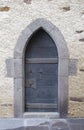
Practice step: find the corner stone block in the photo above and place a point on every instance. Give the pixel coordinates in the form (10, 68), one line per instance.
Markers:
(10, 67)
(18, 69)
(73, 67)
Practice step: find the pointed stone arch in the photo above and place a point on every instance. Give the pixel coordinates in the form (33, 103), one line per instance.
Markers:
(19, 54)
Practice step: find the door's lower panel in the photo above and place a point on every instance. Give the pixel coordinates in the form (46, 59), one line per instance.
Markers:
(41, 107)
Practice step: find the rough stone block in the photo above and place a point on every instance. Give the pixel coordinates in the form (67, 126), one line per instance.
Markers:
(73, 67)
(18, 68)
(10, 67)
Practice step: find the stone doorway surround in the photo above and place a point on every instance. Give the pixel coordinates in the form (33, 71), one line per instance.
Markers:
(19, 77)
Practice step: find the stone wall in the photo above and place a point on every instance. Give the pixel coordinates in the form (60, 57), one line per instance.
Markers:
(68, 16)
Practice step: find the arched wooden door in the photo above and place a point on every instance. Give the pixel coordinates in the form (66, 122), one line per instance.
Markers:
(41, 74)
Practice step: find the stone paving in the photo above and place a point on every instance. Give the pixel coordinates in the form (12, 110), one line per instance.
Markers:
(41, 124)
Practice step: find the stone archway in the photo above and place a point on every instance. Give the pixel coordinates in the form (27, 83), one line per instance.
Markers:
(63, 56)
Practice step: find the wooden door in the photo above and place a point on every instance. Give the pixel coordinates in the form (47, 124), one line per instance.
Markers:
(41, 74)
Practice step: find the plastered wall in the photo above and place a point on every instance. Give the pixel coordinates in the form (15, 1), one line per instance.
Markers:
(68, 16)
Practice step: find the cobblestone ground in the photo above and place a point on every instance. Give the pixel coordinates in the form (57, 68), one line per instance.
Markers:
(42, 124)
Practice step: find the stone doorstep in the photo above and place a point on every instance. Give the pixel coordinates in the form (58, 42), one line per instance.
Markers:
(41, 124)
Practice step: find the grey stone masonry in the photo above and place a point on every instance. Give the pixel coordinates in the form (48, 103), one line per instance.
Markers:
(41, 124)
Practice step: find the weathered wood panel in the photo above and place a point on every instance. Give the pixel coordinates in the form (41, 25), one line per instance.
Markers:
(41, 73)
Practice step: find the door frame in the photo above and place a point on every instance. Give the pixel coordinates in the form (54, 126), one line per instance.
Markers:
(19, 67)
(43, 70)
